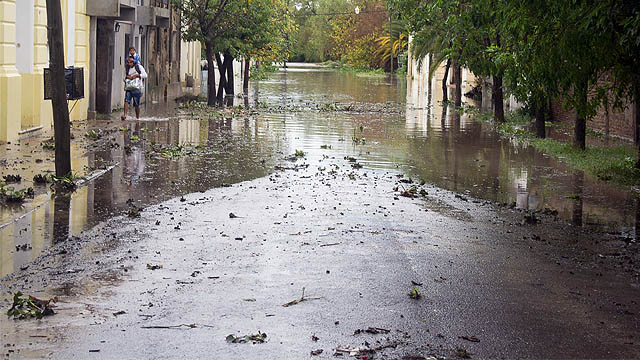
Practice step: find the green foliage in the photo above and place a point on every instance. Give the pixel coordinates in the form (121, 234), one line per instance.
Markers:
(65, 184)
(93, 135)
(583, 52)
(251, 29)
(614, 163)
(173, 151)
(330, 30)
(400, 44)
(262, 72)
(27, 306)
(415, 294)
(11, 195)
(42, 178)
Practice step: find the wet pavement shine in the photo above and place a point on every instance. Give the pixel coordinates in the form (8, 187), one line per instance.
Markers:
(186, 274)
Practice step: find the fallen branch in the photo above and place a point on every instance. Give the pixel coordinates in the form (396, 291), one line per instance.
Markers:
(190, 326)
(302, 298)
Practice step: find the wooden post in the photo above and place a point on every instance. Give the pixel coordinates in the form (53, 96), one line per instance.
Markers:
(59, 94)
(245, 80)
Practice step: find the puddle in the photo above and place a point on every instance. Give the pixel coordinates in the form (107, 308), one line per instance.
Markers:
(396, 126)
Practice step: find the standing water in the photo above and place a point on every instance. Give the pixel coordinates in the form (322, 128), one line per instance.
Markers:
(382, 120)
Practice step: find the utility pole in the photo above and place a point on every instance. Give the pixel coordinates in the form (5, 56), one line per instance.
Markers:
(61, 125)
(391, 40)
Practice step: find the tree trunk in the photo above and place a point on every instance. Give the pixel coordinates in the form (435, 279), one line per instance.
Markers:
(498, 99)
(445, 96)
(61, 125)
(245, 80)
(211, 75)
(637, 120)
(223, 82)
(229, 86)
(540, 120)
(457, 71)
(579, 138)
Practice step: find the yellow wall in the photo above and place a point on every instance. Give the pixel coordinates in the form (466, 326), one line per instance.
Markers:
(21, 95)
(9, 77)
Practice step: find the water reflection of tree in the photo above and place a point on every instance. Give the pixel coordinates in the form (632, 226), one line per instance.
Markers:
(578, 189)
(61, 216)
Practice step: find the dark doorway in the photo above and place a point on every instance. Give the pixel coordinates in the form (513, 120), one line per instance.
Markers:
(104, 65)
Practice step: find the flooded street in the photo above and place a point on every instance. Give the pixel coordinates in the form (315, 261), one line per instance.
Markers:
(400, 127)
(335, 194)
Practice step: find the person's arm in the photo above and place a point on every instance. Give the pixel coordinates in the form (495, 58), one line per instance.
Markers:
(143, 72)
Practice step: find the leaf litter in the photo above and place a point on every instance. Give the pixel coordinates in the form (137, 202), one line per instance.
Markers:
(27, 306)
(257, 338)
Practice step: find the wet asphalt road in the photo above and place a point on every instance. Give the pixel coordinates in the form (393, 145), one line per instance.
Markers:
(491, 287)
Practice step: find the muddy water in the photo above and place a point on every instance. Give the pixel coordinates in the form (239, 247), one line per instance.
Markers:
(454, 152)
(383, 121)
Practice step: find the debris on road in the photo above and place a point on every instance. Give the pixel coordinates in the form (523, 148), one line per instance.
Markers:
(257, 338)
(469, 338)
(372, 330)
(302, 298)
(415, 294)
(27, 306)
(188, 326)
(463, 354)
(364, 352)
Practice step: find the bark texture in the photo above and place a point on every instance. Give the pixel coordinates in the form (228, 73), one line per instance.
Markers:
(59, 94)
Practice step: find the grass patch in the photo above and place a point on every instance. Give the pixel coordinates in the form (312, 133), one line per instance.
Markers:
(615, 164)
(359, 70)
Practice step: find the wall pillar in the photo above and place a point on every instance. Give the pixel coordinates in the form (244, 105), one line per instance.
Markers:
(93, 36)
(43, 112)
(10, 80)
(25, 14)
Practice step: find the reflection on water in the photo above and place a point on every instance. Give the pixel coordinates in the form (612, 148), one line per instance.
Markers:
(402, 122)
(230, 151)
(452, 151)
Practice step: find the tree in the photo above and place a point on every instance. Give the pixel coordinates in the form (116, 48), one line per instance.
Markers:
(558, 54)
(264, 34)
(443, 20)
(618, 21)
(400, 43)
(199, 22)
(62, 131)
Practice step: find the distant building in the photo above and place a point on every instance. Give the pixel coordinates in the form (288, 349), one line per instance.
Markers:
(97, 35)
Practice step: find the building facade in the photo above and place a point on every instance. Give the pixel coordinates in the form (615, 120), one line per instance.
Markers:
(24, 55)
(153, 28)
(97, 35)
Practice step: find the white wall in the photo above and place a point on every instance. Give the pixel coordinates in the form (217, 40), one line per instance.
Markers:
(24, 36)
(71, 33)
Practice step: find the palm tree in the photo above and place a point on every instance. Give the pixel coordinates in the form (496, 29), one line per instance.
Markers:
(426, 43)
(400, 44)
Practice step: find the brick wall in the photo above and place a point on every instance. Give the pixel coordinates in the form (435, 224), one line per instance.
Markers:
(621, 122)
